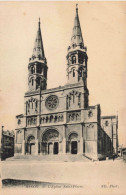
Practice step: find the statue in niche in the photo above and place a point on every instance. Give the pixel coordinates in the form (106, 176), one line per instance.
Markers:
(46, 119)
(19, 121)
(90, 126)
(55, 118)
(69, 117)
(51, 118)
(61, 117)
(73, 116)
(19, 131)
(90, 113)
(106, 123)
(77, 115)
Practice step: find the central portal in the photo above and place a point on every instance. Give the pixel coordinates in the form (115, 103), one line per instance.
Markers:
(50, 142)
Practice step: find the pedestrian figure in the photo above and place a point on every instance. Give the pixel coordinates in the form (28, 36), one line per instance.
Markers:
(113, 157)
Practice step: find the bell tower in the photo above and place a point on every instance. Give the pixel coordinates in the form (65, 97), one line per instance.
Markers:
(76, 56)
(37, 68)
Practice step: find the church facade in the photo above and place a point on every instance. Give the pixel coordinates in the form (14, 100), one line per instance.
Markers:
(59, 120)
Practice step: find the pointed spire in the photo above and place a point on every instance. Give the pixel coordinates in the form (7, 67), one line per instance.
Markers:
(77, 38)
(38, 50)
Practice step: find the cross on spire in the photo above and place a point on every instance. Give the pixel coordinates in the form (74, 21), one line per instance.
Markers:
(76, 7)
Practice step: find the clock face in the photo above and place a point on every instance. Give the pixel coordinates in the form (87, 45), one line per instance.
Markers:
(52, 102)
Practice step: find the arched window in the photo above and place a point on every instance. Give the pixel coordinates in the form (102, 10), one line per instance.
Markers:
(38, 81)
(32, 82)
(73, 72)
(31, 70)
(73, 60)
(80, 72)
(36, 104)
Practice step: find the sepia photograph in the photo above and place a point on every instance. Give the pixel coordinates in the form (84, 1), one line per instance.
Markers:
(63, 97)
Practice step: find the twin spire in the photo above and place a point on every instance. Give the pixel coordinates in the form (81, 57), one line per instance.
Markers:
(38, 50)
(76, 39)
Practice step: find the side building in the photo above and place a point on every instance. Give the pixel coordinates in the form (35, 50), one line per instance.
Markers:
(7, 144)
(110, 125)
(60, 120)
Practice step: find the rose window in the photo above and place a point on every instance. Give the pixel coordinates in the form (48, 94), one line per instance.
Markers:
(52, 102)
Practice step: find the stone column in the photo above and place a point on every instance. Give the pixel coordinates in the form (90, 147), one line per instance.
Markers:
(23, 147)
(64, 145)
(70, 147)
(82, 100)
(41, 149)
(36, 147)
(35, 67)
(65, 117)
(82, 116)
(38, 120)
(81, 141)
(81, 146)
(64, 139)
(60, 148)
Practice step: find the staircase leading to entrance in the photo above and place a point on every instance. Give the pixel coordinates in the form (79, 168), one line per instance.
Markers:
(51, 158)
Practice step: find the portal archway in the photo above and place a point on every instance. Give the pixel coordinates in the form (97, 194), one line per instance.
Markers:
(51, 142)
(31, 145)
(73, 143)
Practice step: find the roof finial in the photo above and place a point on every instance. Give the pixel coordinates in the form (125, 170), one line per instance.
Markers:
(39, 22)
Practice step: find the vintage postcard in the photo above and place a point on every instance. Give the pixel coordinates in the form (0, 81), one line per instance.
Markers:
(62, 97)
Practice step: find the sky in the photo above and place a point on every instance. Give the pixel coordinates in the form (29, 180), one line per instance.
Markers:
(103, 26)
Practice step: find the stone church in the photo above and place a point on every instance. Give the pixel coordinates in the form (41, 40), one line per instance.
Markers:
(59, 120)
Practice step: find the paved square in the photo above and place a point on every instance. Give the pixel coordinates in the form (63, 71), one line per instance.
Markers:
(83, 177)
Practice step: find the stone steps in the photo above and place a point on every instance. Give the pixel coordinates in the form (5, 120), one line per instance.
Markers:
(61, 157)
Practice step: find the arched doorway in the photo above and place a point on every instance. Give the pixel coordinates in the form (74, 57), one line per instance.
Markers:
(31, 145)
(50, 142)
(73, 143)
